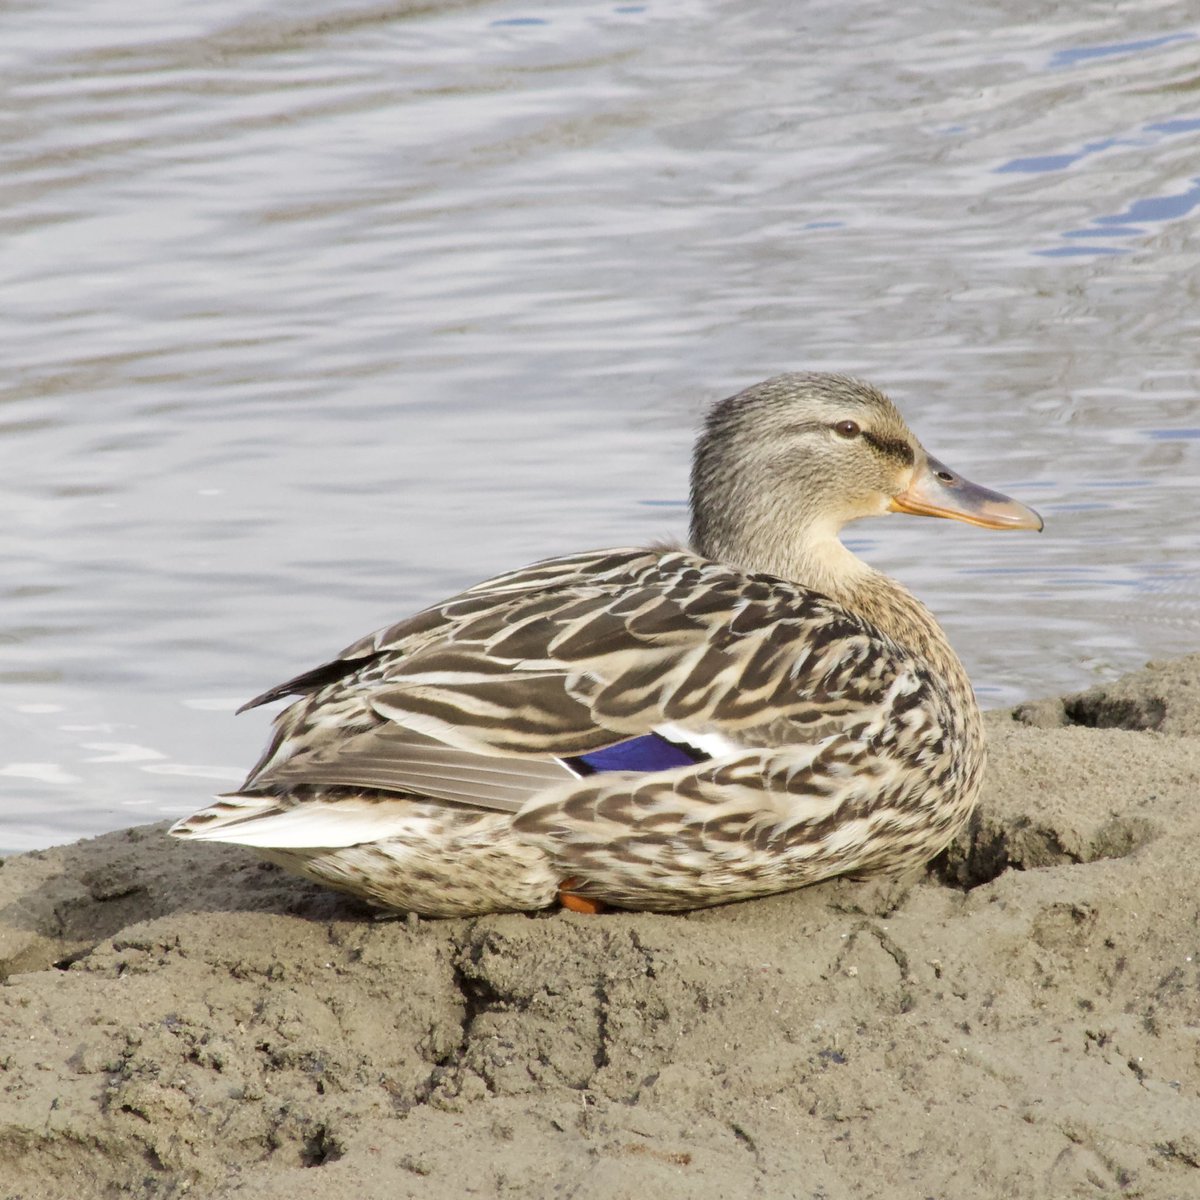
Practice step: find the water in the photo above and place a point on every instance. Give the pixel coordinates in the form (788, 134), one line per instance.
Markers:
(314, 313)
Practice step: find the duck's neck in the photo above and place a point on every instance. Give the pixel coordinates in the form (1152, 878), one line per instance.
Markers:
(894, 610)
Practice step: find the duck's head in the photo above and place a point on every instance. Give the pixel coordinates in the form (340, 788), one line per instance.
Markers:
(782, 466)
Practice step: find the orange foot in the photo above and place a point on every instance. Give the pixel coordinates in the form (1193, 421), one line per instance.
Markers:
(576, 903)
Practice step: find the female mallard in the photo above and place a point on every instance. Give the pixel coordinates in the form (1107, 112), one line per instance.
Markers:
(657, 728)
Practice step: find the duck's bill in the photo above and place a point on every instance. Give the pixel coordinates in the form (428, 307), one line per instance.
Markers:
(936, 491)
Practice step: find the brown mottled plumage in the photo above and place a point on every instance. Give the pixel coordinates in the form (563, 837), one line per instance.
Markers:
(820, 722)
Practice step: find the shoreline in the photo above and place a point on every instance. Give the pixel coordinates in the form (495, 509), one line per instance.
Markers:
(1023, 1019)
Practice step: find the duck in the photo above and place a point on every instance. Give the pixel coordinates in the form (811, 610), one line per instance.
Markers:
(657, 728)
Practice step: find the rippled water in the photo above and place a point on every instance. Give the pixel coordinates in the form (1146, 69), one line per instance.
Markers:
(315, 312)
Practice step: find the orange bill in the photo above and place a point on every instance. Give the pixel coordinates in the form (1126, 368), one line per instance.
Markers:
(936, 491)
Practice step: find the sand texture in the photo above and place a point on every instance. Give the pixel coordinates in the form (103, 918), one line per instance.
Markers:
(1023, 1020)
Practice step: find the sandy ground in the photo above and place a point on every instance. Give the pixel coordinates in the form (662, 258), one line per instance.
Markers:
(1024, 1020)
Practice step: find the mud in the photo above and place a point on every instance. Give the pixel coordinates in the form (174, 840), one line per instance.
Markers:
(1022, 1019)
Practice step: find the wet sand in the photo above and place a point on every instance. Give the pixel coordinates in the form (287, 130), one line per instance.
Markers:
(1022, 1020)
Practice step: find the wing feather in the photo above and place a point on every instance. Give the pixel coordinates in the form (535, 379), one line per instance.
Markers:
(573, 655)
(394, 758)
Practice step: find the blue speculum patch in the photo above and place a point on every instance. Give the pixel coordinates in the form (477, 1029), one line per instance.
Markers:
(647, 753)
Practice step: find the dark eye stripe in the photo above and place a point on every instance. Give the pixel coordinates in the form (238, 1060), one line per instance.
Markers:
(895, 448)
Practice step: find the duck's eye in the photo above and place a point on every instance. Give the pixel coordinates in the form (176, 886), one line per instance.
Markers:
(847, 429)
